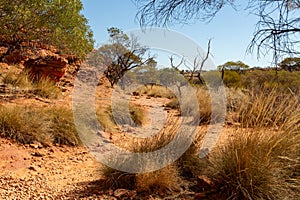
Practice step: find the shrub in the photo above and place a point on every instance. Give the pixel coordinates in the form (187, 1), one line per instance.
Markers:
(232, 79)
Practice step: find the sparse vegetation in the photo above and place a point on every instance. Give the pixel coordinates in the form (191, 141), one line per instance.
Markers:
(46, 88)
(21, 80)
(17, 78)
(155, 91)
(136, 116)
(259, 160)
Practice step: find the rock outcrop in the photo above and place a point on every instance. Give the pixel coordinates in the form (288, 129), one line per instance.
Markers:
(43, 61)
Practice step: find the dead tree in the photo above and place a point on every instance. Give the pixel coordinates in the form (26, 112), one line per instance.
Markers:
(198, 64)
(177, 83)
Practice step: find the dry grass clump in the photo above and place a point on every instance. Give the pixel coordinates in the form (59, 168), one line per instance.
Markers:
(267, 108)
(46, 88)
(162, 180)
(44, 125)
(62, 126)
(257, 165)
(24, 124)
(115, 179)
(155, 91)
(204, 104)
(105, 119)
(43, 87)
(173, 103)
(136, 115)
(17, 78)
(165, 179)
(190, 165)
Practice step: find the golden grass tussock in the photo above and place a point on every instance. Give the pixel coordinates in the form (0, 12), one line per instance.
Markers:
(17, 78)
(46, 88)
(267, 108)
(155, 91)
(257, 164)
(47, 126)
(122, 115)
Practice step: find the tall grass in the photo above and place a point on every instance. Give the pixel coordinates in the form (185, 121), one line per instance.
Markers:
(162, 180)
(46, 88)
(24, 125)
(63, 130)
(250, 166)
(267, 108)
(43, 87)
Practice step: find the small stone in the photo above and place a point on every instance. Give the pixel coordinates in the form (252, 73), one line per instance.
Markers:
(37, 154)
(35, 146)
(32, 168)
(121, 193)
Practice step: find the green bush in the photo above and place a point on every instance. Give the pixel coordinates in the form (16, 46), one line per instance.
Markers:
(232, 79)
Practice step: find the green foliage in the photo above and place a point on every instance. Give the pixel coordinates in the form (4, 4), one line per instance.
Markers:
(290, 64)
(120, 55)
(284, 80)
(171, 77)
(57, 23)
(231, 65)
(146, 74)
(232, 79)
(212, 78)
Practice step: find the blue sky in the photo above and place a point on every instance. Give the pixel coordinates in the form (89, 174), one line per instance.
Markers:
(231, 31)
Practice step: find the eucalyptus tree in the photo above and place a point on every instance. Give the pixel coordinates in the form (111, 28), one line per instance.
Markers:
(45, 23)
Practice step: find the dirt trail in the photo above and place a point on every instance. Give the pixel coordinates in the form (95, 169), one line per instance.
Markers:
(156, 117)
